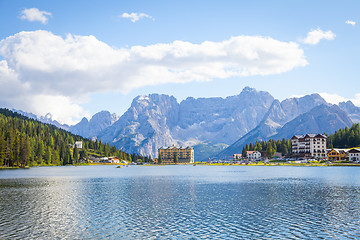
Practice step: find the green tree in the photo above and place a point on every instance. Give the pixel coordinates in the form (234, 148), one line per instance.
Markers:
(270, 151)
(83, 155)
(176, 158)
(75, 154)
(2, 150)
(245, 149)
(48, 155)
(160, 160)
(24, 152)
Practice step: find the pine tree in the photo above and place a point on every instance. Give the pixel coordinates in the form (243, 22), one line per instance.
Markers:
(24, 152)
(48, 155)
(176, 158)
(270, 151)
(75, 154)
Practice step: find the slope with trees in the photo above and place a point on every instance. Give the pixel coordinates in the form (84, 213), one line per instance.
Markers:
(270, 147)
(28, 142)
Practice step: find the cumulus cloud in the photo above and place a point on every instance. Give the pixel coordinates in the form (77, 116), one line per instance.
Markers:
(66, 69)
(19, 94)
(352, 23)
(315, 36)
(136, 16)
(34, 14)
(336, 99)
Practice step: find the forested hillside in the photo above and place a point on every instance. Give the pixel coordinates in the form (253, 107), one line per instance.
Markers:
(27, 142)
(345, 137)
(270, 147)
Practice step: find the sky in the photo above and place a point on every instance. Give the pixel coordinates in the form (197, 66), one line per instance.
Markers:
(75, 58)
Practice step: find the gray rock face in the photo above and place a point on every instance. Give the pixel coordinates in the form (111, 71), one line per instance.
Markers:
(279, 114)
(322, 118)
(159, 120)
(145, 126)
(97, 123)
(218, 120)
(352, 111)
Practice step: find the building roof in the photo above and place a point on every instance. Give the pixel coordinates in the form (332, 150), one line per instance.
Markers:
(354, 150)
(340, 150)
(309, 135)
(173, 147)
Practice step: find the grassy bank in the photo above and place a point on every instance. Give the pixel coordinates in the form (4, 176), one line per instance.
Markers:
(9, 168)
(316, 164)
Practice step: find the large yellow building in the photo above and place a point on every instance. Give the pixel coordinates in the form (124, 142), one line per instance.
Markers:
(170, 154)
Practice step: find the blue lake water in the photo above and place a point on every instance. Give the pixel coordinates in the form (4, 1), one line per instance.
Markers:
(180, 202)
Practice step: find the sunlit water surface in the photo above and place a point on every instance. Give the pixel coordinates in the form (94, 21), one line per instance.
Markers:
(180, 202)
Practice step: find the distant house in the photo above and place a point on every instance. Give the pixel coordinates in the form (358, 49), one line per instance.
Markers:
(78, 144)
(354, 155)
(253, 154)
(113, 160)
(237, 156)
(337, 154)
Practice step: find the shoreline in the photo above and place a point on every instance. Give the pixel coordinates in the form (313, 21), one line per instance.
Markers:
(202, 164)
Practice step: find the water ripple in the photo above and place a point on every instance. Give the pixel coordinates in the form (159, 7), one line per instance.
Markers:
(168, 207)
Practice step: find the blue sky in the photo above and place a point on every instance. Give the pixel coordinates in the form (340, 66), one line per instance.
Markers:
(75, 58)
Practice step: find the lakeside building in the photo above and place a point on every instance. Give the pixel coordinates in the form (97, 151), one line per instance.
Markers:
(253, 154)
(354, 154)
(169, 154)
(277, 155)
(78, 144)
(337, 154)
(309, 145)
(237, 156)
(109, 160)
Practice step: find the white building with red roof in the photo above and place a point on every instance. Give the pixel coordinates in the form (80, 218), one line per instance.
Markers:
(253, 154)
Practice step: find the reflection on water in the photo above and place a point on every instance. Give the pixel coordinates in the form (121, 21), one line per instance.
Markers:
(180, 202)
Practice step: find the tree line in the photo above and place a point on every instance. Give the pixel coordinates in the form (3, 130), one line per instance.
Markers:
(28, 142)
(345, 137)
(270, 147)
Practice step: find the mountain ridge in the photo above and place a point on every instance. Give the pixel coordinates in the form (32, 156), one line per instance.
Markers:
(208, 124)
(320, 119)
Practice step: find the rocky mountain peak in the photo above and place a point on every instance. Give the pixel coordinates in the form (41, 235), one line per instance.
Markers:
(352, 110)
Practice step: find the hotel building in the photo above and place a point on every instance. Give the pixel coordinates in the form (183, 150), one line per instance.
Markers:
(309, 145)
(184, 155)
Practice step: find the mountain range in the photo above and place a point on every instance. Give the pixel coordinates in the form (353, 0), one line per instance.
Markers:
(217, 127)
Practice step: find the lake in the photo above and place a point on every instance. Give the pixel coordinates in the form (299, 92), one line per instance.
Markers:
(180, 202)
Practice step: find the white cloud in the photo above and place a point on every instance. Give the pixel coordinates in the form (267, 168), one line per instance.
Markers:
(332, 98)
(297, 96)
(336, 99)
(20, 95)
(136, 16)
(34, 14)
(315, 36)
(352, 23)
(45, 65)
